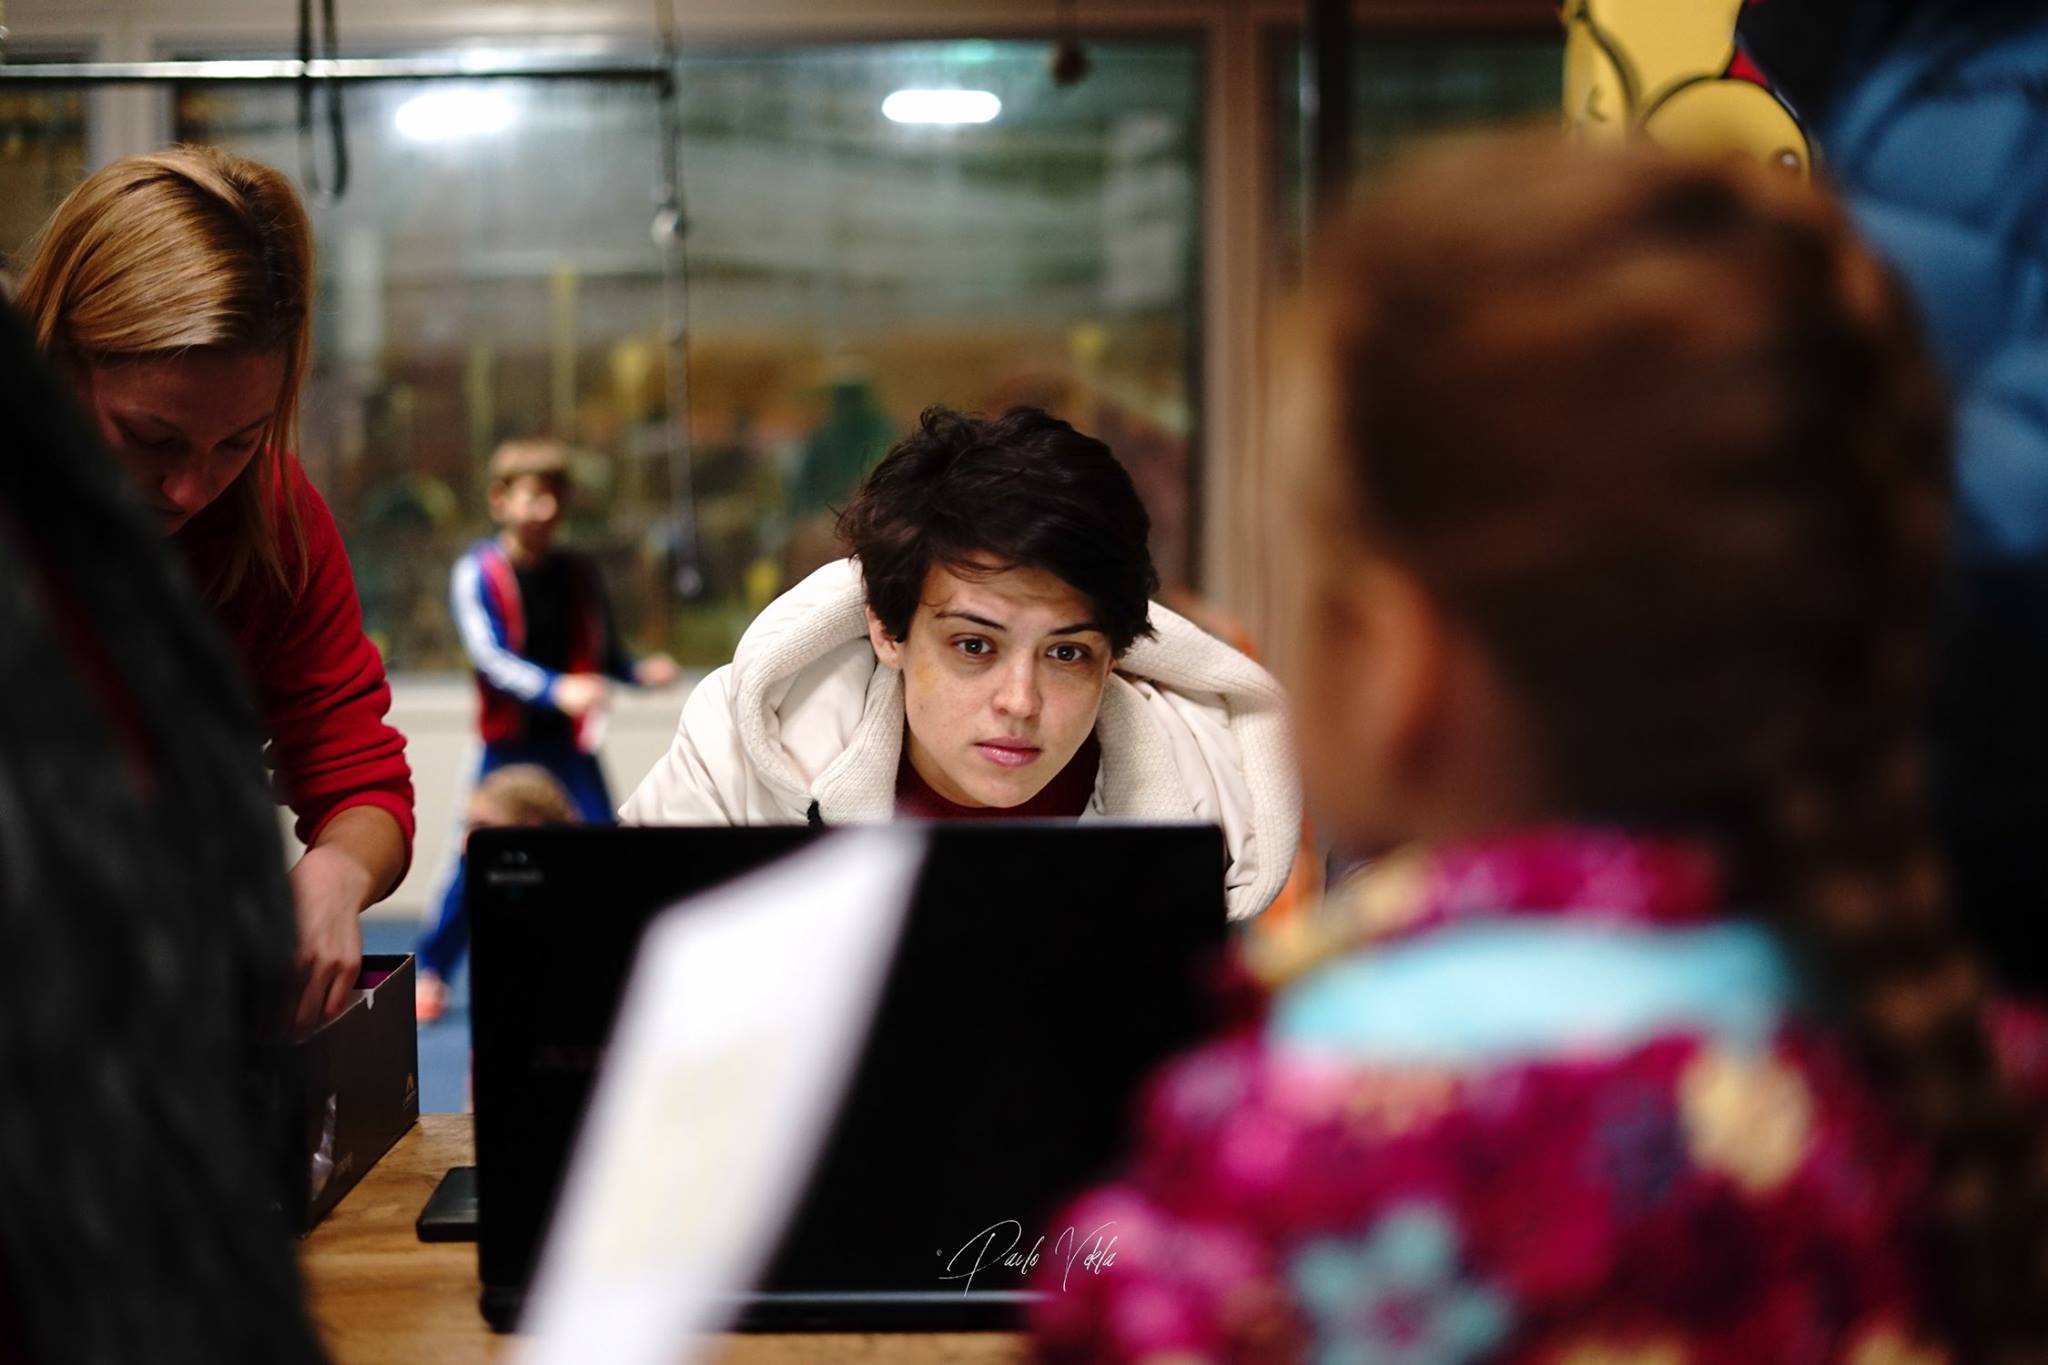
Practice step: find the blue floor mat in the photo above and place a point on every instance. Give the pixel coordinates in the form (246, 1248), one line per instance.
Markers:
(444, 1046)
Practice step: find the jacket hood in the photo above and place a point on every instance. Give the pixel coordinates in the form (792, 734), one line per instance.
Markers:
(1190, 728)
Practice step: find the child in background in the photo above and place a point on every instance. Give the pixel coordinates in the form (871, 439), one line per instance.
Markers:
(522, 795)
(537, 624)
(1610, 527)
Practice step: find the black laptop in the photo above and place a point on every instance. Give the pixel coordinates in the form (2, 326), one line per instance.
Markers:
(1044, 970)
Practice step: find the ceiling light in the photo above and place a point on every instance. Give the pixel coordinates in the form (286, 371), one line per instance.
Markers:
(941, 106)
(441, 115)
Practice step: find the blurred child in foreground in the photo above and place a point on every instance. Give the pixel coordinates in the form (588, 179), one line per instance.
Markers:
(1614, 496)
(146, 930)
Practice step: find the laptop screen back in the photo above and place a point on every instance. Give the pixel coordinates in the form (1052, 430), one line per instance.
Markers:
(1044, 970)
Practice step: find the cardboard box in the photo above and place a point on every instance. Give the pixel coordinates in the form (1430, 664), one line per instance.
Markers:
(335, 1101)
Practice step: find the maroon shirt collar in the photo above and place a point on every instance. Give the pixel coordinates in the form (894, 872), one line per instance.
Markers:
(1066, 797)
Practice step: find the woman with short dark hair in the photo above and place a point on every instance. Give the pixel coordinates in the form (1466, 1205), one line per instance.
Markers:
(989, 650)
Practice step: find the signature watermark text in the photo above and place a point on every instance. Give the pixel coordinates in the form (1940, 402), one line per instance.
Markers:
(999, 1249)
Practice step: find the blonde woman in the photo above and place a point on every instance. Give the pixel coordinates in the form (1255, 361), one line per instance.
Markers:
(174, 290)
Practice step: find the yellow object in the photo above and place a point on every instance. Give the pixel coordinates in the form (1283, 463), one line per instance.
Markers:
(1367, 906)
(1661, 67)
(636, 380)
(762, 582)
(1087, 342)
(1601, 1353)
(1747, 1116)
(1890, 1346)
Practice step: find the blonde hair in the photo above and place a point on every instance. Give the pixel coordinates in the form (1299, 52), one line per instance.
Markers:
(183, 248)
(529, 794)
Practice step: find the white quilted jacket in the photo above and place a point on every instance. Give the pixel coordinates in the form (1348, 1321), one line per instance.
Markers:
(1190, 730)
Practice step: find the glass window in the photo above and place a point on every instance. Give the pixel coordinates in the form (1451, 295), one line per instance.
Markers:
(1410, 85)
(493, 271)
(42, 151)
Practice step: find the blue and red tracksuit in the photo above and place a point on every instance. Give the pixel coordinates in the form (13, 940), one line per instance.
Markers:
(520, 650)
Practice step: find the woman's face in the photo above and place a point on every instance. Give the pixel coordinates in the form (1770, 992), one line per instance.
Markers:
(184, 427)
(1003, 675)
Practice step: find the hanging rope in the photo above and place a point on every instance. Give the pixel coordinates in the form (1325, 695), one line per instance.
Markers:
(1069, 64)
(309, 86)
(671, 228)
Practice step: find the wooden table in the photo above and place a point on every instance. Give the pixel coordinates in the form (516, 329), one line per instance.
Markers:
(383, 1297)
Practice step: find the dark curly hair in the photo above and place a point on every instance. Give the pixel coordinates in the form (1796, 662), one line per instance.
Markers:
(1024, 490)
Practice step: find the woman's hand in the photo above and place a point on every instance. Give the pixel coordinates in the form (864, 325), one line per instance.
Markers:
(329, 891)
(354, 862)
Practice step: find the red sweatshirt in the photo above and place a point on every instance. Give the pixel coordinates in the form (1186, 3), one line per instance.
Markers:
(318, 680)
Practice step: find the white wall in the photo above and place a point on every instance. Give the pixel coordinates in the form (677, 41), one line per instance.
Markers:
(437, 714)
